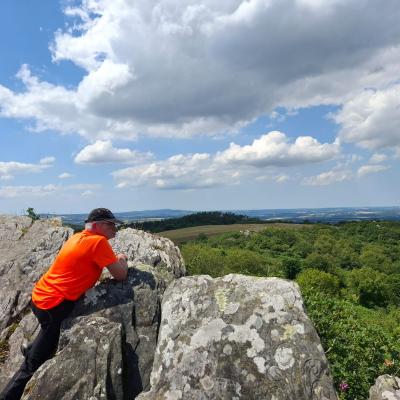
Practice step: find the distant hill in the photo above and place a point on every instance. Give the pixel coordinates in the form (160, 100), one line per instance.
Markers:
(196, 219)
(297, 215)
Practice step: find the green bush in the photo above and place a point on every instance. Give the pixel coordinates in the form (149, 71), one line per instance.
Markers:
(311, 280)
(200, 259)
(357, 345)
(370, 286)
(323, 262)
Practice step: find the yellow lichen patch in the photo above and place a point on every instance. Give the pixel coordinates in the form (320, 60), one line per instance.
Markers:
(220, 297)
(289, 331)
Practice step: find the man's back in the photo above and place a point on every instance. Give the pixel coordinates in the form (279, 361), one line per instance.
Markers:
(77, 268)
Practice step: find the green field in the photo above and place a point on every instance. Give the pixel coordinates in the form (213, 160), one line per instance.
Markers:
(179, 236)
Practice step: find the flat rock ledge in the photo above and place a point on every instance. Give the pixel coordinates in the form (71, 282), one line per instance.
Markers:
(387, 387)
(237, 337)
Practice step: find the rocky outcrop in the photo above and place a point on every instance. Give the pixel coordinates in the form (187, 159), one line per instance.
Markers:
(27, 249)
(107, 346)
(237, 337)
(387, 387)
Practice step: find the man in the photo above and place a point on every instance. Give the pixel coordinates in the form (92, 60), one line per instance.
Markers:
(76, 268)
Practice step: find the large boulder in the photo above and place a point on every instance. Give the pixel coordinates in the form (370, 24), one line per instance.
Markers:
(27, 248)
(237, 337)
(387, 387)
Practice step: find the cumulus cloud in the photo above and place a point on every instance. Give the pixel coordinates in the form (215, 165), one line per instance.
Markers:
(329, 177)
(65, 175)
(378, 158)
(372, 119)
(43, 190)
(255, 161)
(342, 172)
(280, 178)
(169, 68)
(371, 169)
(102, 151)
(274, 148)
(10, 168)
(177, 172)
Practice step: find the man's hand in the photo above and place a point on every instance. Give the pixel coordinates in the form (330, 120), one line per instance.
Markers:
(119, 269)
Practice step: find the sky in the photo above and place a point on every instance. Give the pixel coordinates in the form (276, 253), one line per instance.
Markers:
(198, 105)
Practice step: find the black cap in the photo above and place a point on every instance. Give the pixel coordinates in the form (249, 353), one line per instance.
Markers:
(102, 214)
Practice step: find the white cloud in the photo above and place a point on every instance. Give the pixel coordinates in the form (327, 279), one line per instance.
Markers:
(47, 160)
(65, 175)
(328, 178)
(371, 169)
(43, 190)
(372, 119)
(177, 172)
(275, 149)
(342, 172)
(183, 68)
(10, 168)
(281, 178)
(229, 167)
(378, 158)
(102, 151)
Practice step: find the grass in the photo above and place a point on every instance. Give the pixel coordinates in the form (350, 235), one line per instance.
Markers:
(179, 236)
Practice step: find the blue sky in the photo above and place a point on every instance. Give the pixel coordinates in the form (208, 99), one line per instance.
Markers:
(199, 105)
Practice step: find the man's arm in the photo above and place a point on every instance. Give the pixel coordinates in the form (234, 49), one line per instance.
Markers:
(119, 269)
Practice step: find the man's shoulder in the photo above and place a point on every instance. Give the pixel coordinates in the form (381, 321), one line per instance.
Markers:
(86, 238)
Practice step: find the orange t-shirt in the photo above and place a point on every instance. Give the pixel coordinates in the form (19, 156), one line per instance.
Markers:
(76, 268)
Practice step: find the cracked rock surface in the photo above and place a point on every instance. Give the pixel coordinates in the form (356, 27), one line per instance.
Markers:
(237, 337)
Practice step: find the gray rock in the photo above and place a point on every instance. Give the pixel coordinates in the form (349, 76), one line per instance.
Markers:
(88, 364)
(237, 337)
(387, 387)
(144, 248)
(26, 251)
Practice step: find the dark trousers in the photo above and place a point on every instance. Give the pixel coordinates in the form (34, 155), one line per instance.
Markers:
(41, 349)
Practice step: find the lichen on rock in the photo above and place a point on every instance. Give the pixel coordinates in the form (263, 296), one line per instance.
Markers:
(265, 337)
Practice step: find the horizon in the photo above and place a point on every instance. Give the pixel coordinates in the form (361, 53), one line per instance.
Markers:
(239, 105)
(230, 210)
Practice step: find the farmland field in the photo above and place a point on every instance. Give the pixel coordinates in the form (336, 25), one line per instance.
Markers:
(179, 236)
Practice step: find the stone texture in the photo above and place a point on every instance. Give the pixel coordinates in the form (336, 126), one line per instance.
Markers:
(88, 364)
(26, 251)
(237, 337)
(387, 387)
(147, 249)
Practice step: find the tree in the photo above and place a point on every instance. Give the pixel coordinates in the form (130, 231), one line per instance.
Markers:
(32, 214)
(311, 280)
(371, 287)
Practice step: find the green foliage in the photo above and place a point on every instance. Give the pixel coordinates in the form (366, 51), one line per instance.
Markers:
(373, 256)
(357, 345)
(30, 212)
(371, 287)
(312, 280)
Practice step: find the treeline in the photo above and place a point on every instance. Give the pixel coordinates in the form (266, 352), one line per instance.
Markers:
(196, 219)
(349, 275)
